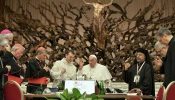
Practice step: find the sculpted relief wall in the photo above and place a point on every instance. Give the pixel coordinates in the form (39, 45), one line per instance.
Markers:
(111, 29)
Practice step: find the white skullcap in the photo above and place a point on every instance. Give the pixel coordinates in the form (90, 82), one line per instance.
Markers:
(93, 56)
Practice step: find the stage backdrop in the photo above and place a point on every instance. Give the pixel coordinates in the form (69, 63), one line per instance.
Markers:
(112, 33)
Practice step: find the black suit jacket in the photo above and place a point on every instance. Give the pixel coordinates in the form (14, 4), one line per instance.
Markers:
(3, 70)
(9, 59)
(169, 63)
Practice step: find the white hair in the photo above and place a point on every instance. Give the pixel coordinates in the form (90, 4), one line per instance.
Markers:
(159, 45)
(3, 41)
(16, 47)
(7, 36)
(93, 56)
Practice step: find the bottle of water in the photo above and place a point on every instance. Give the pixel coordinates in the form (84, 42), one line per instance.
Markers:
(102, 92)
(60, 86)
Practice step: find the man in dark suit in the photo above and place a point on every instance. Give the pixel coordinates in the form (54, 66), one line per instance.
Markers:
(3, 69)
(164, 36)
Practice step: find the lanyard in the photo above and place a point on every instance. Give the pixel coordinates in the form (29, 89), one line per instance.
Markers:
(138, 70)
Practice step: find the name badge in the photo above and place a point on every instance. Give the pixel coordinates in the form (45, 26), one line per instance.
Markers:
(136, 78)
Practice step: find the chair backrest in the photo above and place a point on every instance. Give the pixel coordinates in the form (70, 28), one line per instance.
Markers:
(169, 93)
(160, 93)
(133, 91)
(12, 91)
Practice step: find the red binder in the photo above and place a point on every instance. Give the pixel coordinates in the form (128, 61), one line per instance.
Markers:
(41, 80)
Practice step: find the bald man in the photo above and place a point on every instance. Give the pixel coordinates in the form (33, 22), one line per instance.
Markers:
(94, 70)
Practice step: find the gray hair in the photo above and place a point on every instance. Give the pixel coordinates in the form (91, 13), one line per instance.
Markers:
(159, 45)
(40, 51)
(7, 36)
(3, 41)
(163, 31)
(16, 47)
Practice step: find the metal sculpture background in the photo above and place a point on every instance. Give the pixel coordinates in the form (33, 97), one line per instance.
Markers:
(120, 36)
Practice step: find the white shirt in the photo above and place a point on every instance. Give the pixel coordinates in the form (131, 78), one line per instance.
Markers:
(99, 72)
(56, 71)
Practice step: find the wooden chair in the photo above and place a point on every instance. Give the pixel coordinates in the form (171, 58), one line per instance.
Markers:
(169, 93)
(12, 91)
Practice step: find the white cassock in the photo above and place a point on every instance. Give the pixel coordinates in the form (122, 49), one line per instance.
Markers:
(99, 72)
(56, 71)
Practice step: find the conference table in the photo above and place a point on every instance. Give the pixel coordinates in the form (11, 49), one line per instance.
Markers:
(106, 96)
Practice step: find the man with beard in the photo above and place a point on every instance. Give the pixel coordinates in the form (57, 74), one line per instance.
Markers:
(3, 70)
(140, 75)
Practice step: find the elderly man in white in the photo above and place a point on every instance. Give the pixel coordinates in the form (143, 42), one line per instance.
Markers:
(63, 69)
(94, 70)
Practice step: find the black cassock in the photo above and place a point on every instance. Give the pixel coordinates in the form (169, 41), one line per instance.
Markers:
(9, 59)
(3, 70)
(35, 70)
(162, 68)
(169, 63)
(146, 83)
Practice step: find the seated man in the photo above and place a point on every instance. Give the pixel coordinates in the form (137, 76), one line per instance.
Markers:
(36, 68)
(140, 75)
(94, 70)
(64, 69)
